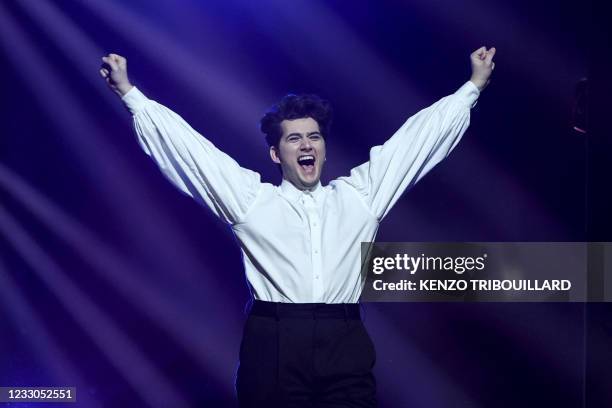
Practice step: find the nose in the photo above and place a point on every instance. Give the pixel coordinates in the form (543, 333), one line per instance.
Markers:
(306, 145)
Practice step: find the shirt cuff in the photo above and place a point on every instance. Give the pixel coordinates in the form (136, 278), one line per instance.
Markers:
(468, 93)
(134, 100)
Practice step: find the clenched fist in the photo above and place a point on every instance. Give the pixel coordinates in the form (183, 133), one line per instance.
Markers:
(482, 66)
(114, 71)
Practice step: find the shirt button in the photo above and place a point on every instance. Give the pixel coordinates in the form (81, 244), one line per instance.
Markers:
(316, 251)
(314, 224)
(317, 277)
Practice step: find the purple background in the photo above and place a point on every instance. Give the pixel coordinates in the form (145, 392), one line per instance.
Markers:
(113, 282)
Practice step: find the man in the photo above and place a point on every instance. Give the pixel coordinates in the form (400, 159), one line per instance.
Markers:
(304, 343)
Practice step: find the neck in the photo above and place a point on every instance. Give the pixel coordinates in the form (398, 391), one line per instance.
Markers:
(302, 187)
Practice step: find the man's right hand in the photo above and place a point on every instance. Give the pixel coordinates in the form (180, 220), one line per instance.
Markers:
(114, 71)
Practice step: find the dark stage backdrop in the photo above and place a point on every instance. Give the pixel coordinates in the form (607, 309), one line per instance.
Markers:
(114, 282)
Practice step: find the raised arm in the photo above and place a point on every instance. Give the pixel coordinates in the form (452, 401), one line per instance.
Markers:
(191, 162)
(422, 142)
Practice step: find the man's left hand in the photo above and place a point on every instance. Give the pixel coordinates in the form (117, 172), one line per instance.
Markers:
(482, 66)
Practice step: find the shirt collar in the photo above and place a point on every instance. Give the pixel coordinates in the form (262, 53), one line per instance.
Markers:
(294, 194)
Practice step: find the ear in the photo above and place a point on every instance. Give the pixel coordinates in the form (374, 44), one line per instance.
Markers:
(274, 154)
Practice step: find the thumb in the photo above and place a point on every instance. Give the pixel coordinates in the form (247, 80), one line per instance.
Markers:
(121, 61)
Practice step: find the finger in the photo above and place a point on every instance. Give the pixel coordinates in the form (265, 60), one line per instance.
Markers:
(479, 51)
(106, 66)
(490, 54)
(121, 61)
(103, 73)
(115, 57)
(111, 63)
(492, 66)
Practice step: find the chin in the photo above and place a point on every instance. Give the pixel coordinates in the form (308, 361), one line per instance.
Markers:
(308, 183)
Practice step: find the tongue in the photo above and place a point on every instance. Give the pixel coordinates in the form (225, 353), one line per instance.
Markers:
(308, 168)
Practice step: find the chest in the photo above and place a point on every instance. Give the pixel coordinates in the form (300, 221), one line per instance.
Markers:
(329, 218)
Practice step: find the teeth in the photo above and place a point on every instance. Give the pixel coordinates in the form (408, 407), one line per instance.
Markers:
(305, 158)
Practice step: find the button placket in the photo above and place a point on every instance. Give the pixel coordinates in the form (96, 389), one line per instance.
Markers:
(315, 240)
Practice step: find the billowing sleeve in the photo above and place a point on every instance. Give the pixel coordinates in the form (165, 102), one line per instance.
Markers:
(422, 142)
(191, 162)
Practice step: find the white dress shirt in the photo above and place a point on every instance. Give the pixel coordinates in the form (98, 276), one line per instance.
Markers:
(301, 246)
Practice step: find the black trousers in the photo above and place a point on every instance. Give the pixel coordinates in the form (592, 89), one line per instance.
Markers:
(305, 355)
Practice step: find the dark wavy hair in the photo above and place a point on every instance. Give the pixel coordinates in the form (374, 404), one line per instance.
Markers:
(296, 107)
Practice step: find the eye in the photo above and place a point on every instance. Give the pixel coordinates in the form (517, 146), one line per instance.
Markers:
(293, 138)
(316, 136)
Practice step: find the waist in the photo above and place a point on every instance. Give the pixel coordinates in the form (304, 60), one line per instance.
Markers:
(306, 310)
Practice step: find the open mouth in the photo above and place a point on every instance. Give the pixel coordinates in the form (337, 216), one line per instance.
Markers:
(307, 162)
